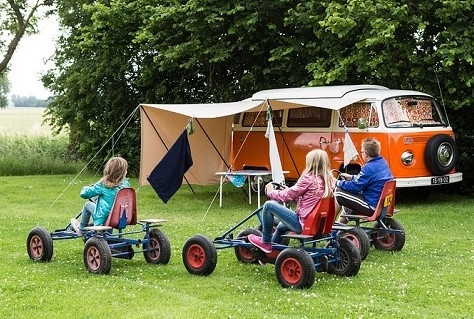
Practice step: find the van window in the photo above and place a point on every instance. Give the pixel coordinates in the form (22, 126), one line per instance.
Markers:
(410, 111)
(309, 117)
(350, 115)
(258, 119)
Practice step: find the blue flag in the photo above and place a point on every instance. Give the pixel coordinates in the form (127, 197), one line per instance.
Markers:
(167, 176)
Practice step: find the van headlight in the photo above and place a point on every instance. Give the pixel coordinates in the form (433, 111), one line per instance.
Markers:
(407, 158)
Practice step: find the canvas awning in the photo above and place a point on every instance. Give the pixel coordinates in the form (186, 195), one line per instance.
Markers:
(211, 143)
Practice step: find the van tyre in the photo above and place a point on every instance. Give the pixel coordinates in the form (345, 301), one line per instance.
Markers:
(441, 154)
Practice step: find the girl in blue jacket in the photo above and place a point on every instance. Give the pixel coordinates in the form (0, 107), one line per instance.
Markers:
(105, 190)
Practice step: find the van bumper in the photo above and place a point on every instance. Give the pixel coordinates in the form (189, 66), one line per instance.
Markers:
(429, 180)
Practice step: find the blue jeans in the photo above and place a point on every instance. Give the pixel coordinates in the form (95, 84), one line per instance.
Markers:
(86, 214)
(289, 221)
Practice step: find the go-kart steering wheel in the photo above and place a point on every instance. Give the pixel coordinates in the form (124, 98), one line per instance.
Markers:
(337, 174)
(278, 186)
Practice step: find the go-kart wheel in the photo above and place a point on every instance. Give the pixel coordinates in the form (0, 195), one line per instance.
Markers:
(359, 238)
(347, 259)
(39, 245)
(245, 254)
(294, 268)
(158, 250)
(199, 255)
(388, 241)
(97, 256)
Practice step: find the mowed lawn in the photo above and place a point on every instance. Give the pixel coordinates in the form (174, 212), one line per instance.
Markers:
(432, 277)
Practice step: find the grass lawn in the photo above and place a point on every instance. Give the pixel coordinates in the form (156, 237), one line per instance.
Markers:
(432, 277)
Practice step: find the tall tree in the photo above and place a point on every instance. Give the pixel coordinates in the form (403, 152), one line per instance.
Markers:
(17, 18)
(118, 53)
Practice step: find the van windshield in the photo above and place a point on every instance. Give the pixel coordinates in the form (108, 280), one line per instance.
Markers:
(412, 111)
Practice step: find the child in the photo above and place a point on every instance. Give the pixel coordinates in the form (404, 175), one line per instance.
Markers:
(316, 182)
(105, 190)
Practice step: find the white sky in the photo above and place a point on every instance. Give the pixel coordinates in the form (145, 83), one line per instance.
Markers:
(29, 60)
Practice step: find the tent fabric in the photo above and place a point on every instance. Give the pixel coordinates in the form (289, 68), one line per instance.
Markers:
(210, 148)
(166, 178)
(211, 143)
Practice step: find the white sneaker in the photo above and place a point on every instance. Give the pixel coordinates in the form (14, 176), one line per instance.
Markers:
(76, 226)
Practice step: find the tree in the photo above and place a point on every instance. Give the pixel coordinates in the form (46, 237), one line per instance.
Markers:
(4, 89)
(17, 18)
(118, 53)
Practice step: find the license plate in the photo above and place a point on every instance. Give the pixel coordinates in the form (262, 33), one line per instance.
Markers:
(440, 180)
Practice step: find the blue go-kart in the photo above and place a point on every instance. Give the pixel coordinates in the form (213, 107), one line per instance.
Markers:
(317, 248)
(113, 239)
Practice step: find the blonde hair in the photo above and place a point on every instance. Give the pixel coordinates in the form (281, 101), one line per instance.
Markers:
(317, 163)
(115, 171)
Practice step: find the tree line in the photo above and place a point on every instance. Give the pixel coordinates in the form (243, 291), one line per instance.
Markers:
(115, 54)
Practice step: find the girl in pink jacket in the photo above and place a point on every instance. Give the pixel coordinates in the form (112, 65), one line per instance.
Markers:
(316, 182)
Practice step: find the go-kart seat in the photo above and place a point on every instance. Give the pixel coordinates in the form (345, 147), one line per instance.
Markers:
(124, 209)
(321, 218)
(385, 205)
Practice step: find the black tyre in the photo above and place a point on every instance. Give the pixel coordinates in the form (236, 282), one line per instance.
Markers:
(359, 238)
(158, 250)
(348, 259)
(441, 154)
(199, 255)
(39, 245)
(97, 256)
(388, 241)
(244, 254)
(294, 268)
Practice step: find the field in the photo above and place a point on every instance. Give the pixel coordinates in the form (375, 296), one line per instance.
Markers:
(430, 278)
(23, 120)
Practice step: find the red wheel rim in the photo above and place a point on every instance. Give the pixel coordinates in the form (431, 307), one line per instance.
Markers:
(291, 271)
(93, 258)
(386, 240)
(353, 239)
(246, 254)
(36, 246)
(196, 256)
(154, 252)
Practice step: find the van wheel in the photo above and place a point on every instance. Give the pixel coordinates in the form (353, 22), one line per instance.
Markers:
(441, 154)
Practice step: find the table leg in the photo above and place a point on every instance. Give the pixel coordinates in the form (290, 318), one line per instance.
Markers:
(259, 179)
(249, 179)
(220, 190)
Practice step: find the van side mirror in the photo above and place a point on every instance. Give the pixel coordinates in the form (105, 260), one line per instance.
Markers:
(362, 123)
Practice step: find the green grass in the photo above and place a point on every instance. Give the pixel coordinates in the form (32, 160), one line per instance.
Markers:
(27, 146)
(430, 278)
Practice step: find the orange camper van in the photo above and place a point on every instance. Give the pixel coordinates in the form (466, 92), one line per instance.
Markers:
(416, 137)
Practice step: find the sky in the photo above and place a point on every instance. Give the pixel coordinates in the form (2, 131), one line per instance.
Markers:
(29, 60)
